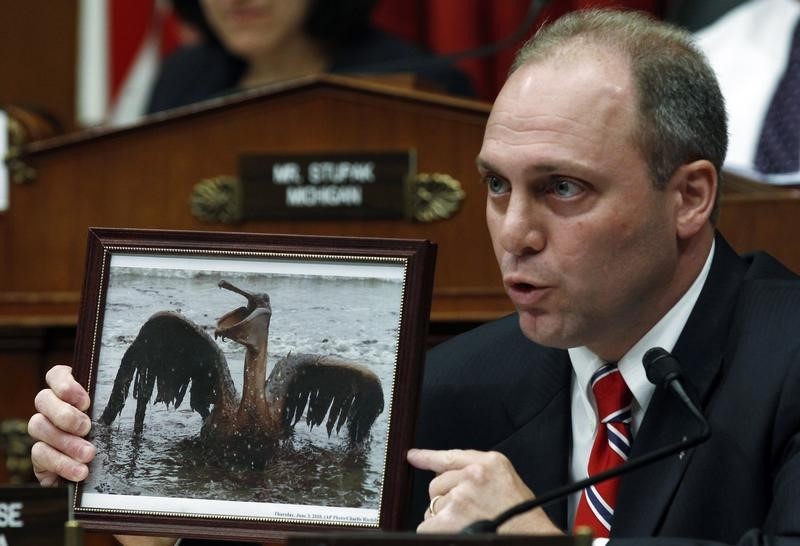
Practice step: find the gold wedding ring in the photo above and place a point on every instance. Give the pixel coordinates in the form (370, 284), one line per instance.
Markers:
(432, 505)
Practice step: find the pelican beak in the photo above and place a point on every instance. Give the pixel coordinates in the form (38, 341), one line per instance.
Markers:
(253, 300)
(240, 324)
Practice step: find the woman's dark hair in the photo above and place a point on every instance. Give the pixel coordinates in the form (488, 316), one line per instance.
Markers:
(332, 22)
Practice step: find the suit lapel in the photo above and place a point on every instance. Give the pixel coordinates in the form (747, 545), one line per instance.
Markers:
(645, 495)
(540, 411)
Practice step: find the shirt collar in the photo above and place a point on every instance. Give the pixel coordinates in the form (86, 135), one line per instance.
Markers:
(664, 334)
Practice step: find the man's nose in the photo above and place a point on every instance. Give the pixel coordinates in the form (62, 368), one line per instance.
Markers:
(522, 229)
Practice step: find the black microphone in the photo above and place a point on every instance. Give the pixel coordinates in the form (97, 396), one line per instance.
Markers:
(663, 370)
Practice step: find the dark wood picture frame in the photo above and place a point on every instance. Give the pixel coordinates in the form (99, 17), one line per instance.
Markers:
(172, 270)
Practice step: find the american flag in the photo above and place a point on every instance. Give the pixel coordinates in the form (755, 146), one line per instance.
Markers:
(120, 46)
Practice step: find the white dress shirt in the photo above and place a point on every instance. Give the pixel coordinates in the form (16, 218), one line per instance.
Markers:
(584, 363)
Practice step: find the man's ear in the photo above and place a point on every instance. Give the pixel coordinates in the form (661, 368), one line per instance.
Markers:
(695, 187)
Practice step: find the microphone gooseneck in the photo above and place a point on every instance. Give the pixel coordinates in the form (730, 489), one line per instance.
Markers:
(663, 370)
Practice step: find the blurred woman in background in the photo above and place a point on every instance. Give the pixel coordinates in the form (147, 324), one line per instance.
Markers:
(248, 43)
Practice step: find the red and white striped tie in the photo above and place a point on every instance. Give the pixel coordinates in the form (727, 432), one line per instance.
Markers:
(612, 444)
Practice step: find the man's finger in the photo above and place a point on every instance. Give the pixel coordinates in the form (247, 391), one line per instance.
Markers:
(74, 447)
(46, 459)
(444, 482)
(444, 460)
(63, 384)
(61, 414)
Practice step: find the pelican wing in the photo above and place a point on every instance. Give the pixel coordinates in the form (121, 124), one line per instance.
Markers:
(170, 353)
(319, 386)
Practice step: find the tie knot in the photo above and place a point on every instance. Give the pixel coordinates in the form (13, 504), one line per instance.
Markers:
(612, 395)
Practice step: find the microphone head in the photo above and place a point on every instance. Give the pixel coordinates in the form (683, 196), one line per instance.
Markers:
(660, 366)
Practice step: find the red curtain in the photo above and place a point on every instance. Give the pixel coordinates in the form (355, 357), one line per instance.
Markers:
(447, 26)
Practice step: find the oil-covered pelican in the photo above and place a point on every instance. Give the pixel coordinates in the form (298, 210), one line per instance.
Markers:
(171, 352)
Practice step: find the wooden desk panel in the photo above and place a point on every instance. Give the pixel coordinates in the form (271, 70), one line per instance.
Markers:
(764, 221)
(143, 177)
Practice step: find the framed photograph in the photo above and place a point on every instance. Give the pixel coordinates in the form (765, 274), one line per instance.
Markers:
(250, 386)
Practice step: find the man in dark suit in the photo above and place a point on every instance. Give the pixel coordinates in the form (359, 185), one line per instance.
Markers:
(739, 354)
(601, 159)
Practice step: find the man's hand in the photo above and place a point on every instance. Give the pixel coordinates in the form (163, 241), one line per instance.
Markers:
(61, 451)
(59, 426)
(476, 485)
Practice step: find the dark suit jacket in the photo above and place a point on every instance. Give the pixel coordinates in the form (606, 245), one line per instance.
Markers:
(493, 389)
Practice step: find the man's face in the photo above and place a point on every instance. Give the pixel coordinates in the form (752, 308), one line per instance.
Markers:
(586, 245)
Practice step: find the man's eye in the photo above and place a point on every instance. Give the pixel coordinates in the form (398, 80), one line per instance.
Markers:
(495, 184)
(566, 188)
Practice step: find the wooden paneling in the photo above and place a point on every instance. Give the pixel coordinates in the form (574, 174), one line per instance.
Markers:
(37, 65)
(766, 221)
(143, 177)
